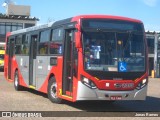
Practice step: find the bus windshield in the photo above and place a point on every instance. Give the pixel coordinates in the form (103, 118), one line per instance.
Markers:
(114, 51)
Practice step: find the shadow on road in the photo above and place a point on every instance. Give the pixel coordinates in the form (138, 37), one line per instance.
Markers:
(34, 92)
(151, 104)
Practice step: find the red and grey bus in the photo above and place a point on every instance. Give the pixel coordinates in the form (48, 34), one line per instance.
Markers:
(87, 57)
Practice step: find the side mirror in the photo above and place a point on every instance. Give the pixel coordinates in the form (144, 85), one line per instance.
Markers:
(78, 42)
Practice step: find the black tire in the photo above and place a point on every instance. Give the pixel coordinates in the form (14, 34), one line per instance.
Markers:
(16, 82)
(52, 91)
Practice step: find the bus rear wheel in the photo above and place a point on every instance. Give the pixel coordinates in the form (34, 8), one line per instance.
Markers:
(52, 91)
(16, 82)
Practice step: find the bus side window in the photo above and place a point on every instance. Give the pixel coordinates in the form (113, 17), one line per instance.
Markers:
(18, 43)
(56, 46)
(25, 45)
(43, 43)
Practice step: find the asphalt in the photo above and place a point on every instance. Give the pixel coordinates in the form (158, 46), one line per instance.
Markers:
(30, 100)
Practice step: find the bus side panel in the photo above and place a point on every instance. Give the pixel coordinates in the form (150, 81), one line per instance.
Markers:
(6, 57)
(17, 62)
(75, 86)
(14, 65)
(23, 68)
(80, 69)
(42, 70)
(57, 72)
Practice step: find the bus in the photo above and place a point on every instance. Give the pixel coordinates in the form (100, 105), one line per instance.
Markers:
(2, 52)
(86, 57)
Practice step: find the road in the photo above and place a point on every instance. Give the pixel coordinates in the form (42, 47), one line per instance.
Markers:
(30, 100)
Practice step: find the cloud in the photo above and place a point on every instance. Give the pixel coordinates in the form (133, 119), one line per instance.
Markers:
(150, 3)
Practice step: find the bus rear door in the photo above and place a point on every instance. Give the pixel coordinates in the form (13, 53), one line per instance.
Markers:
(32, 61)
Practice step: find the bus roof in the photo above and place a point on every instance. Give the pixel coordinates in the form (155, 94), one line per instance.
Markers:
(38, 27)
(77, 18)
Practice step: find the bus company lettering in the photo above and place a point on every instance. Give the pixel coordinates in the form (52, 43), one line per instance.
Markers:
(124, 85)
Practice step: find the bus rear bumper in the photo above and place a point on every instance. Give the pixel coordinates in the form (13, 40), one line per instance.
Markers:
(86, 93)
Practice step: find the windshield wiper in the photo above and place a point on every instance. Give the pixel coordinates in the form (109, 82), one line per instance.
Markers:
(129, 38)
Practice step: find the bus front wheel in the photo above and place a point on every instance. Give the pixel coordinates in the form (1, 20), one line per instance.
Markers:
(52, 91)
(16, 82)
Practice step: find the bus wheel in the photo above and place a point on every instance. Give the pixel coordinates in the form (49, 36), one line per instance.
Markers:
(52, 91)
(16, 82)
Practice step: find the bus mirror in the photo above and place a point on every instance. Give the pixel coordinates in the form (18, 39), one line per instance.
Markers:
(78, 39)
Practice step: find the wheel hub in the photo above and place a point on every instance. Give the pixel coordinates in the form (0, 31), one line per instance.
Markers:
(53, 90)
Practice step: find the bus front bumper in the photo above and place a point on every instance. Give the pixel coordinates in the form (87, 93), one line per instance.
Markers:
(86, 93)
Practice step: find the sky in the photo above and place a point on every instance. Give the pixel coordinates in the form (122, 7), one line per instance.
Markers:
(147, 11)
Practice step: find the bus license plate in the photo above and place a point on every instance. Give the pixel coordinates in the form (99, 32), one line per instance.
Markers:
(116, 98)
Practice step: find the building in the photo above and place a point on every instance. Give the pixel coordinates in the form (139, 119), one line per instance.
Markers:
(153, 41)
(15, 18)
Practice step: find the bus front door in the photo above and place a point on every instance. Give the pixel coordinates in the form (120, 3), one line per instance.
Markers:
(11, 53)
(32, 61)
(68, 63)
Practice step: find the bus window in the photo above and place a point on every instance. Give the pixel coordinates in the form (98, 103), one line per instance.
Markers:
(56, 41)
(25, 45)
(18, 43)
(43, 43)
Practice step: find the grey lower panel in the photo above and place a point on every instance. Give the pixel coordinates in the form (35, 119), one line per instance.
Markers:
(42, 70)
(85, 93)
(23, 66)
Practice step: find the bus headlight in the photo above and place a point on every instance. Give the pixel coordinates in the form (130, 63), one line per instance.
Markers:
(144, 81)
(88, 82)
(142, 84)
